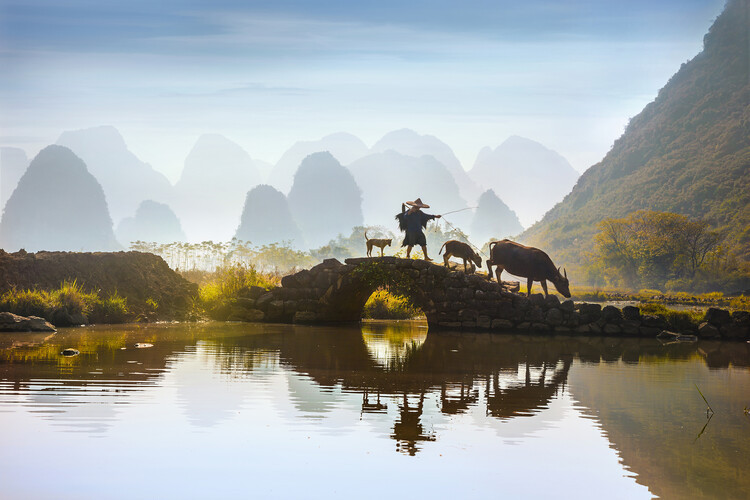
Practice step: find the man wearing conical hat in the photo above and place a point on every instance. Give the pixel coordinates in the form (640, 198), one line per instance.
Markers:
(412, 221)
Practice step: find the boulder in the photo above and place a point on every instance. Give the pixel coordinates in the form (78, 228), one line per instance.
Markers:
(10, 322)
(631, 313)
(611, 314)
(717, 317)
(708, 331)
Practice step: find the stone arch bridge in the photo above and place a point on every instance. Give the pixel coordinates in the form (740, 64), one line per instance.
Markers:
(332, 292)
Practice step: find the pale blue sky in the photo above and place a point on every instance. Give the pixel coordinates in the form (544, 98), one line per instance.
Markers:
(568, 74)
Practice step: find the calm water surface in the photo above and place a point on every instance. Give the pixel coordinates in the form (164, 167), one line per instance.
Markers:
(378, 411)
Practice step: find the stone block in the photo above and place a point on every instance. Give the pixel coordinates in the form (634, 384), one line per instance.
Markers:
(521, 302)
(523, 326)
(554, 317)
(264, 300)
(245, 302)
(504, 310)
(420, 264)
(275, 310)
(254, 292)
(583, 329)
(242, 314)
(304, 317)
(649, 331)
(589, 312)
(708, 331)
(501, 324)
(653, 321)
(540, 327)
(612, 329)
(467, 294)
(331, 264)
(447, 316)
(469, 324)
(536, 314)
(484, 321)
(631, 327)
(741, 318)
(552, 301)
(290, 307)
(450, 324)
(537, 299)
(568, 306)
(467, 315)
(611, 314)
(735, 331)
(631, 313)
(717, 317)
(562, 329)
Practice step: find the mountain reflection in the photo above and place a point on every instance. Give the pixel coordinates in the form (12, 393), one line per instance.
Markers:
(396, 368)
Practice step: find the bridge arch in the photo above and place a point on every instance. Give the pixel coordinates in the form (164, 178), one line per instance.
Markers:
(332, 292)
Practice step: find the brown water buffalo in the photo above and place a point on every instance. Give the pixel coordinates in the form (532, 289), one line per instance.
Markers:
(527, 262)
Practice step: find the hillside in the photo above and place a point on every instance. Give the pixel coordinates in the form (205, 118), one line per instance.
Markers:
(324, 200)
(346, 148)
(211, 191)
(57, 205)
(389, 179)
(152, 221)
(526, 175)
(493, 220)
(267, 219)
(410, 143)
(126, 180)
(687, 152)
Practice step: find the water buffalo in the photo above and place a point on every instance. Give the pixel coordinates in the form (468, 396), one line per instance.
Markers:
(527, 262)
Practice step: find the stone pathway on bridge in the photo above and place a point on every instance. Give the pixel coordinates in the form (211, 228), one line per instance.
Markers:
(332, 292)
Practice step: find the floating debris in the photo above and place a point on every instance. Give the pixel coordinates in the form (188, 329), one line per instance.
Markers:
(70, 352)
(679, 337)
(143, 345)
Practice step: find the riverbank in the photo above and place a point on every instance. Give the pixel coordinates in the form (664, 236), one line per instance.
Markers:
(72, 288)
(332, 292)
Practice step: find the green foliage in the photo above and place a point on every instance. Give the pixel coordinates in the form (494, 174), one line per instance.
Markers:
(384, 305)
(153, 304)
(678, 321)
(27, 302)
(71, 297)
(113, 309)
(226, 284)
(663, 250)
(687, 153)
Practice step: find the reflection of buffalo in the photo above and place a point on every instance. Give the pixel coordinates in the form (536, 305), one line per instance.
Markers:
(457, 371)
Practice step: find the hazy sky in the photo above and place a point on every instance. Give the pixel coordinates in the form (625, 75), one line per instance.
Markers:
(568, 74)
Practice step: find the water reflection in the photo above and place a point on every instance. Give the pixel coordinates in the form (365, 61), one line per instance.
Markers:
(405, 385)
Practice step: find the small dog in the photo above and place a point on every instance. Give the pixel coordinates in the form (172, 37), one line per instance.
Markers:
(455, 248)
(380, 243)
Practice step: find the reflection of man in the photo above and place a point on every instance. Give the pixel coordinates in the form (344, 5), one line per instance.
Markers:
(412, 222)
(408, 430)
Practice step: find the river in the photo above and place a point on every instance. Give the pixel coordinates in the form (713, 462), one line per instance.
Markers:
(382, 409)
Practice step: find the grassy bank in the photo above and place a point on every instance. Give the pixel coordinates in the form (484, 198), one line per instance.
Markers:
(67, 305)
(383, 305)
(649, 296)
(219, 290)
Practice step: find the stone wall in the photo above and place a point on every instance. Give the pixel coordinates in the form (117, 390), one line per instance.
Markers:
(333, 292)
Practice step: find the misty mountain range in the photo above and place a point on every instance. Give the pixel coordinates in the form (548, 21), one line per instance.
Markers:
(327, 186)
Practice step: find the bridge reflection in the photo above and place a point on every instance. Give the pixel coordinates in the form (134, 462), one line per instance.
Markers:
(398, 369)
